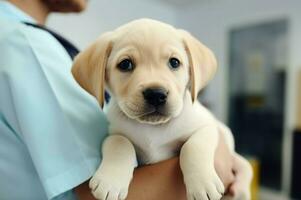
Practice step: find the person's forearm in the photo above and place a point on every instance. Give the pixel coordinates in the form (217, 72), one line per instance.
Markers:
(83, 192)
(161, 181)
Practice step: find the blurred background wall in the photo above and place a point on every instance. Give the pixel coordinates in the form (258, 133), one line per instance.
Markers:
(257, 39)
(105, 15)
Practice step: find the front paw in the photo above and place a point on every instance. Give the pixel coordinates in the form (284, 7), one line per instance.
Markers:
(204, 186)
(109, 186)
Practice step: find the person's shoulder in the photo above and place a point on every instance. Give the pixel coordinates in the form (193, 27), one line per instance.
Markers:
(8, 27)
(14, 33)
(19, 33)
(22, 45)
(13, 44)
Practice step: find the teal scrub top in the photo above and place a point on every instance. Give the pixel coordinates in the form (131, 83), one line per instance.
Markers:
(50, 129)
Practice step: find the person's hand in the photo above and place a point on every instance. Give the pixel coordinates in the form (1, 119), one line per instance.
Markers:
(223, 162)
(240, 187)
(160, 181)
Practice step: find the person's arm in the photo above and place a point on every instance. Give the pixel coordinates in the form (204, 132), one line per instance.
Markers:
(164, 180)
(59, 124)
(158, 181)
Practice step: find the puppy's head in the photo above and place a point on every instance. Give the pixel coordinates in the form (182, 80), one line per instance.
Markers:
(146, 66)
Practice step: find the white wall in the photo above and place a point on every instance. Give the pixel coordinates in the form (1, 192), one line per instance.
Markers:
(211, 23)
(105, 15)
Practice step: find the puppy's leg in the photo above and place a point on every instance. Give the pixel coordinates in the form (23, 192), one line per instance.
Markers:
(197, 164)
(112, 178)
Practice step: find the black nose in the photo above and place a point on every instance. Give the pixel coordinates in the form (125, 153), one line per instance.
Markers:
(155, 96)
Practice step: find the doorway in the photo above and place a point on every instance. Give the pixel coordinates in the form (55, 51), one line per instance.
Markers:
(257, 76)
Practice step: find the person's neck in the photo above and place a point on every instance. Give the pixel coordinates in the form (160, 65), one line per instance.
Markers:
(35, 8)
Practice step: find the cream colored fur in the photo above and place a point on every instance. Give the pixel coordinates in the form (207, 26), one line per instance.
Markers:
(186, 128)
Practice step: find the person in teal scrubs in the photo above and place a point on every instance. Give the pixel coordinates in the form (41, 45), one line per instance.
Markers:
(51, 130)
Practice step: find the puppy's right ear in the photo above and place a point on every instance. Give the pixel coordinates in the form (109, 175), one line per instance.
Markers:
(89, 67)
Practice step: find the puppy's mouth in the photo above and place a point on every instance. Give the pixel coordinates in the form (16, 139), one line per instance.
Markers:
(145, 114)
(155, 117)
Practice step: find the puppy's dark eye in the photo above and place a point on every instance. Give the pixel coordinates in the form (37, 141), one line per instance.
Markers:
(174, 63)
(126, 65)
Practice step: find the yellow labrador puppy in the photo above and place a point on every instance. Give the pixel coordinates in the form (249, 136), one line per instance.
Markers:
(154, 73)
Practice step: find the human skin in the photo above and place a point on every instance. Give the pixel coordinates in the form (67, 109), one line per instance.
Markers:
(40, 9)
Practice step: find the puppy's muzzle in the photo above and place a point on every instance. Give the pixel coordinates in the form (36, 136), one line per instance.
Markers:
(155, 96)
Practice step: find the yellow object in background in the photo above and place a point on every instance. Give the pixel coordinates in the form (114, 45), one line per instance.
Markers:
(255, 182)
(298, 120)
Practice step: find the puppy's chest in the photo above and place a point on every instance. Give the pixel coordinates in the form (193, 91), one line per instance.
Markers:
(154, 143)
(151, 145)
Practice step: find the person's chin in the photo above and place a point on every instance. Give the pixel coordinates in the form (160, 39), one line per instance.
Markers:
(66, 6)
(80, 5)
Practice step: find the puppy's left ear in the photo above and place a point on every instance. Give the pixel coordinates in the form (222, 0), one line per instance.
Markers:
(89, 67)
(202, 63)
